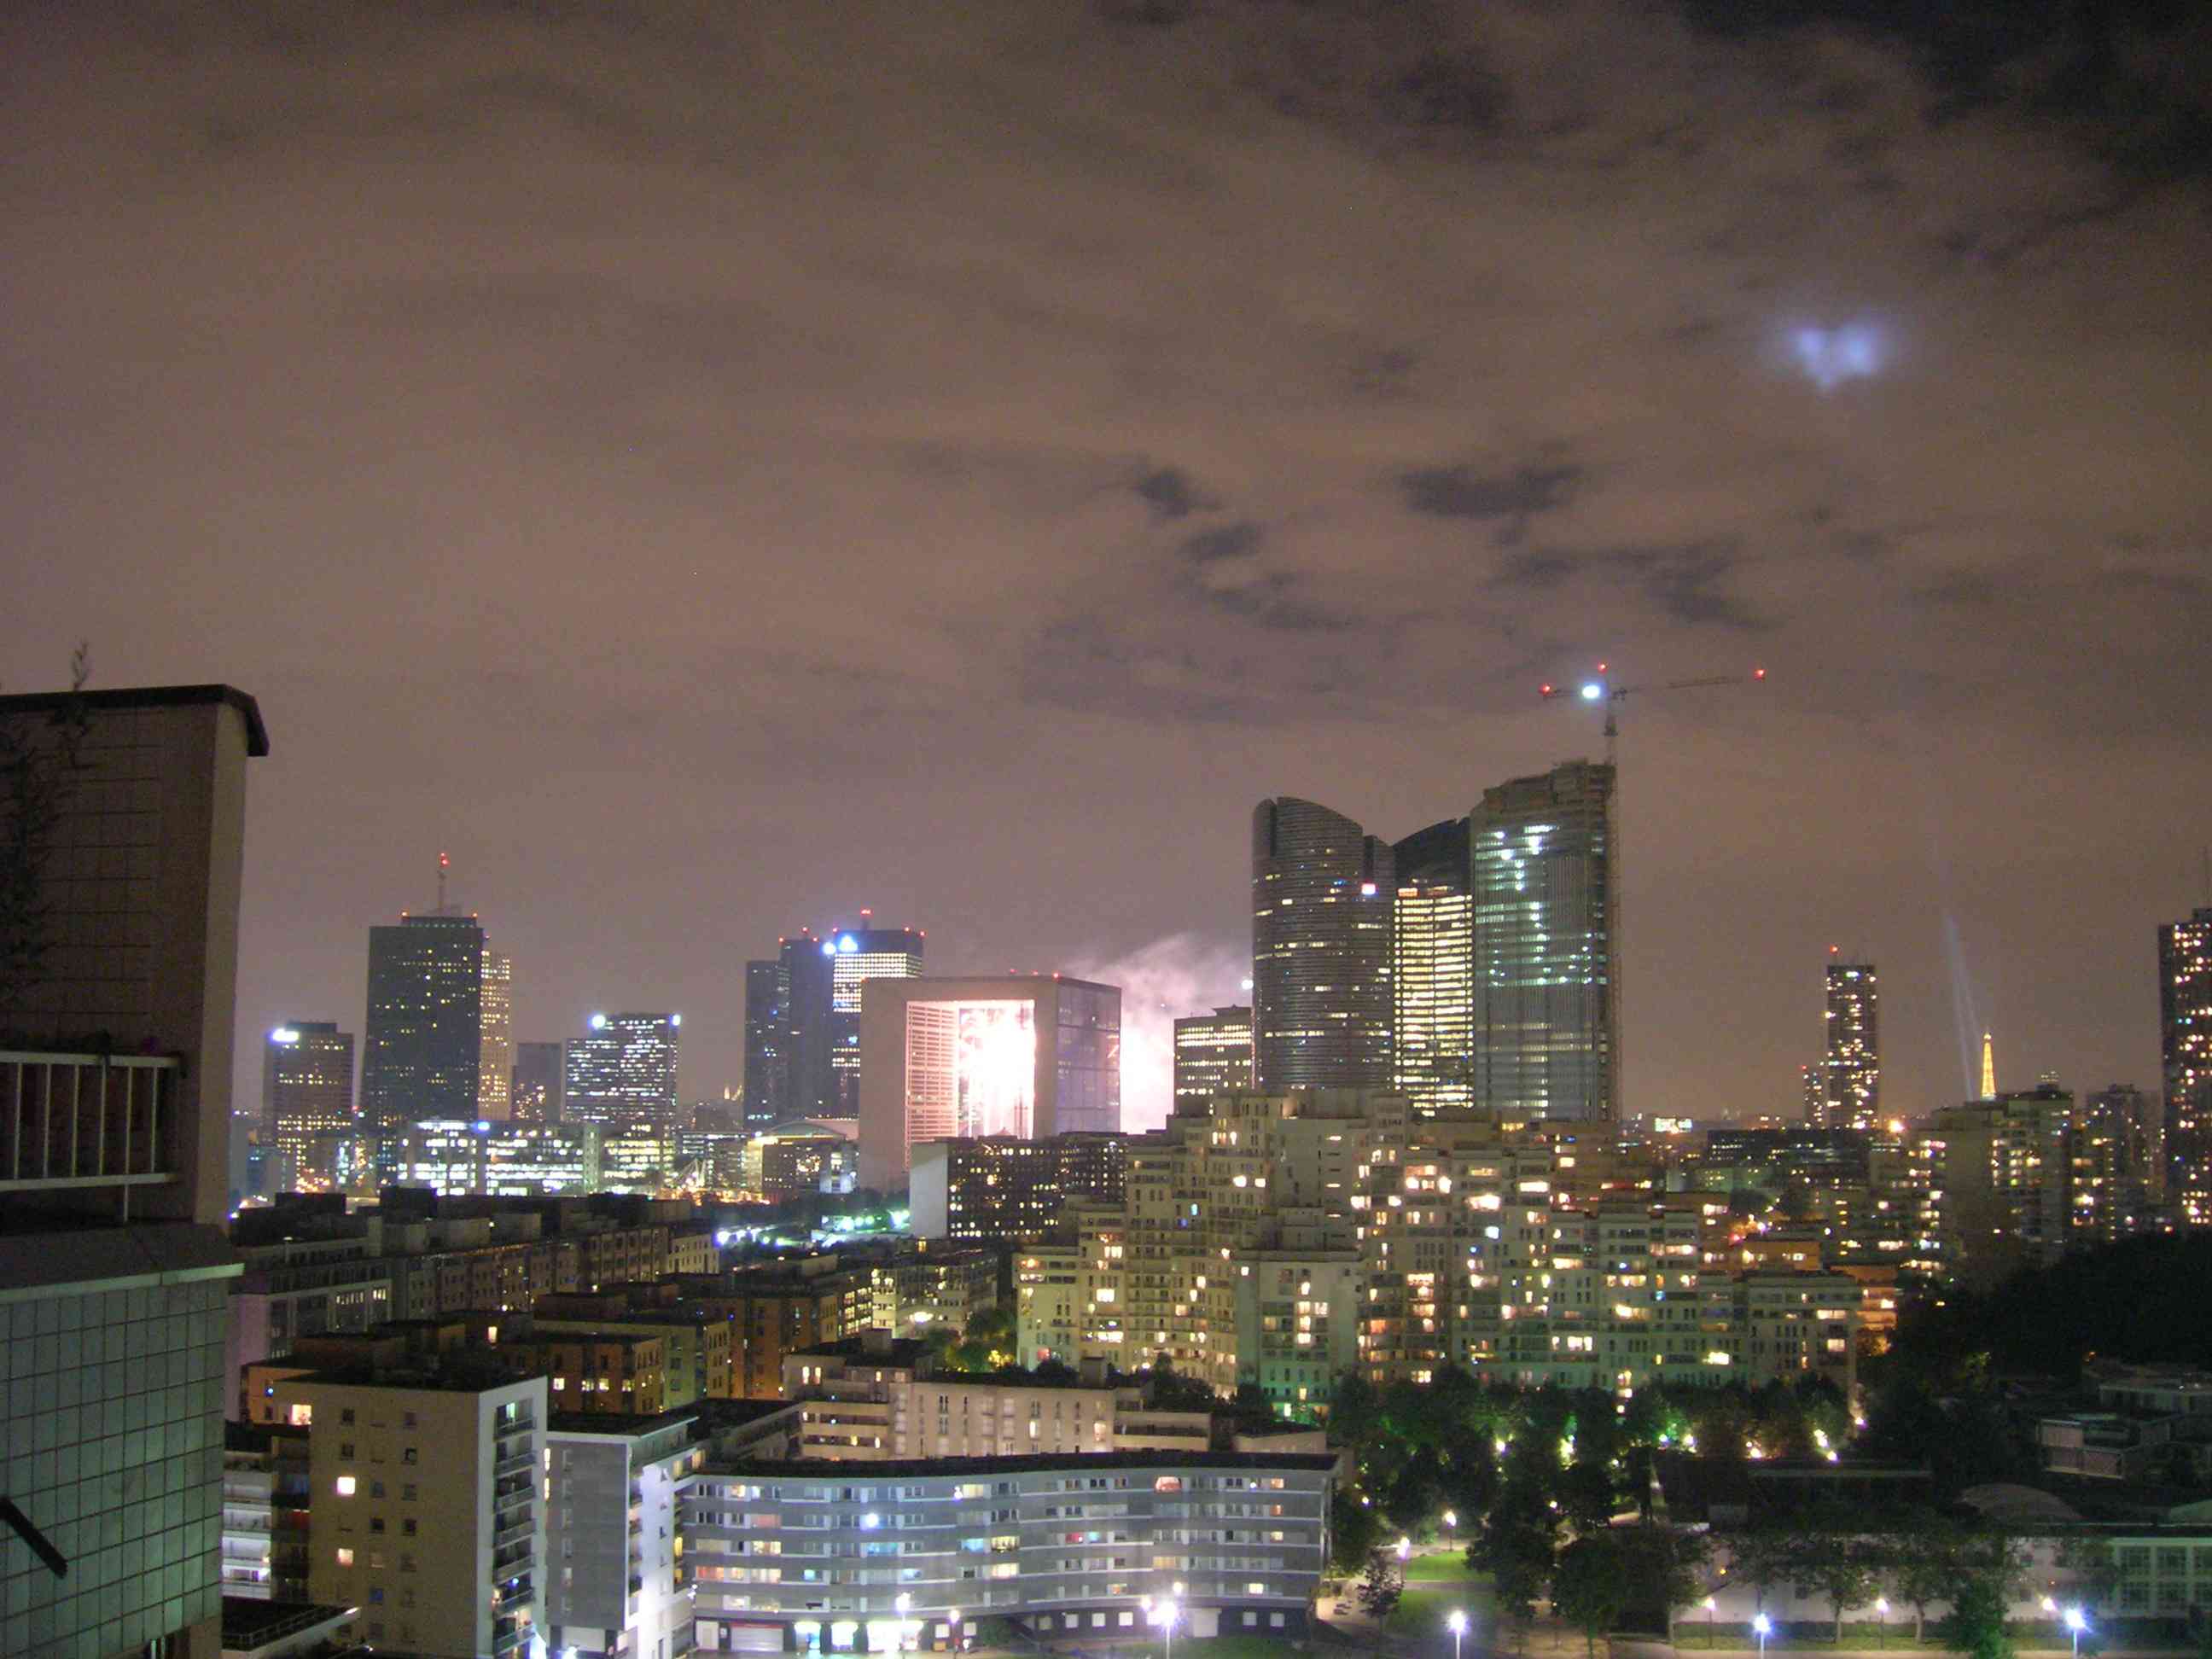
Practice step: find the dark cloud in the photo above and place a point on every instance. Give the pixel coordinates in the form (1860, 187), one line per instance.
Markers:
(1169, 493)
(1230, 541)
(1684, 584)
(1460, 492)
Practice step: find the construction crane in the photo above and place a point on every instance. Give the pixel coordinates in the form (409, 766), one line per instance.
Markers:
(1598, 690)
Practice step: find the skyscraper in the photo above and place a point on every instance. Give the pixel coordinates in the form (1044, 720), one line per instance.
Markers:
(767, 1043)
(306, 1085)
(1028, 1055)
(624, 1071)
(1212, 1054)
(535, 1096)
(1433, 966)
(2185, 1034)
(1850, 1074)
(1545, 1038)
(1322, 894)
(810, 970)
(496, 1051)
(857, 955)
(423, 1042)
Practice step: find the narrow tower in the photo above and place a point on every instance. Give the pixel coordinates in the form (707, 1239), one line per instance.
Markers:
(1988, 1068)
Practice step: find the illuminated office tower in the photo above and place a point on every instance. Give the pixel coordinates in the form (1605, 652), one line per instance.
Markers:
(1028, 1055)
(857, 955)
(1432, 968)
(495, 1049)
(624, 1071)
(2185, 1032)
(1322, 893)
(306, 1086)
(1547, 1021)
(1850, 1075)
(535, 1096)
(1213, 1053)
(423, 1044)
(767, 1043)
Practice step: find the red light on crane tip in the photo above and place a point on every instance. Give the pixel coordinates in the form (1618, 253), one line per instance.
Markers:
(1758, 673)
(1543, 690)
(1602, 666)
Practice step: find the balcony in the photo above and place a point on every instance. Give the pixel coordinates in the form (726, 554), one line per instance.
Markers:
(509, 1460)
(508, 1531)
(85, 1121)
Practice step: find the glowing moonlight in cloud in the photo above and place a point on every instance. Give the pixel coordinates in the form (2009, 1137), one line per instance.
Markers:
(1829, 356)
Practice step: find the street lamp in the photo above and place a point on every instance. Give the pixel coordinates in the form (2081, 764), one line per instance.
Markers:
(1765, 1626)
(1457, 1623)
(1709, 1621)
(901, 1604)
(1451, 1519)
(1404, 1549)
(1881, 1611)
(2077, 1624)
(952, 1627)
(1165, 1616)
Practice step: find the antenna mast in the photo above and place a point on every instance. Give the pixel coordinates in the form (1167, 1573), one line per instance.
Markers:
(444, 864)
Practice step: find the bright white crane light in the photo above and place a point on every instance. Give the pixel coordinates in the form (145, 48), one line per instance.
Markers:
(1592, 691)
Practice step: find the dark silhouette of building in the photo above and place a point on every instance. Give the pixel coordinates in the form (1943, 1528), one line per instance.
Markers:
(767, 1043)
(536, 1096)
(423, 1041)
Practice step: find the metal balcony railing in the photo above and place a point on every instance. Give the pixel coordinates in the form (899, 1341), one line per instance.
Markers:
(77, 1121)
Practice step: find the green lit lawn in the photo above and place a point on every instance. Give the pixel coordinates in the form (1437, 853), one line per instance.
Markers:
(1423, 1609)
(1451, 1565)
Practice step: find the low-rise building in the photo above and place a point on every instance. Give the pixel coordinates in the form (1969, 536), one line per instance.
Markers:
(901, 1554)
(876, 1400)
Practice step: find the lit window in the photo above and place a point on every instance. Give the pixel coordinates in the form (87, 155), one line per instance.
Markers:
(346, 1485)
(345, 1558)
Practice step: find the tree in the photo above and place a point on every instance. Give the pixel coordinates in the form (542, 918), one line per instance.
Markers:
(1834, 1566)
(1355, 1530)
(1665, 1568)
(1920, 1569)
(1587, 1496)
(1384, 1583)
(1986, 1574)
(1516, 1546)
(37, 774)
(1589, 1586)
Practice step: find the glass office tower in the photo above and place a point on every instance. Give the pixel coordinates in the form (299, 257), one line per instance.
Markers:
(1545, 1037)
(1322, 894)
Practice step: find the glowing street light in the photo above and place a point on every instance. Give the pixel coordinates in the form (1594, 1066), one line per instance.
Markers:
(1451, 1518)
(1404, 1549)
(2077, 1624)
(952, 1627)
(1881, 1611)
(1457, 1624)
(1709, 1621)
(904, 1604)
(1165, 1616)
(1765, 1626)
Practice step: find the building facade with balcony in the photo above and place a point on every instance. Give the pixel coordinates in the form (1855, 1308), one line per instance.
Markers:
(903, 1554)
(614, 1569)
(425, 1491)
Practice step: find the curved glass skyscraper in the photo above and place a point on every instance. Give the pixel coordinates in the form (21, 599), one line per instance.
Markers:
(1322, 891)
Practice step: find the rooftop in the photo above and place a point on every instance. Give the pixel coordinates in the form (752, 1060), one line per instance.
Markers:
(1073, 1462)
(252, 1623)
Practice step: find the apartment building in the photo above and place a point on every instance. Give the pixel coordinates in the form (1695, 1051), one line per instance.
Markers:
(901, 1555)
(596, 1372)
(614, 1562)
(875, 1399)
(700, 1344)
(425, 1493)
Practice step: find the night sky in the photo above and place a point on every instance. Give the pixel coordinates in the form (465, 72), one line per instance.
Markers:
(713, 467)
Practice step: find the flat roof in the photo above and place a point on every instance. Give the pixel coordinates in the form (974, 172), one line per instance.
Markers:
(840, 1470)
(150, 696)
(248, 1623)
(627, 1424)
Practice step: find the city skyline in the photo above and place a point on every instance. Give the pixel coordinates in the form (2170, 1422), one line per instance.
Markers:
(972, 515)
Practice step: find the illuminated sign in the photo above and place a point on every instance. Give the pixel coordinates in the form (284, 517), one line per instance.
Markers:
(284, 1034)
